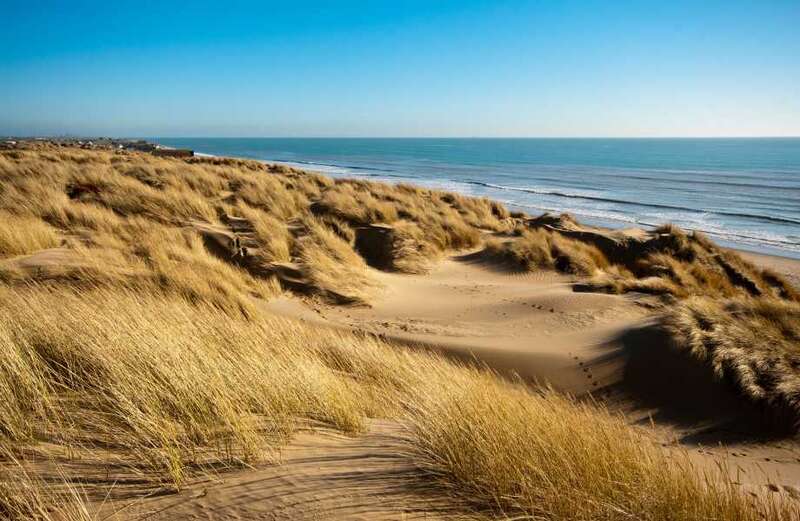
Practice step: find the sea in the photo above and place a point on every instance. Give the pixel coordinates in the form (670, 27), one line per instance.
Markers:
(743, 192)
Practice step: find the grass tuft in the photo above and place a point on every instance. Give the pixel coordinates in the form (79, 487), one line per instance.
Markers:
(23, 235)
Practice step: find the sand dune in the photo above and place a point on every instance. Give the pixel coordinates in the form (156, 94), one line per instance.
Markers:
(532, 325)
(323, 475)
(603, 347)
(146, 312)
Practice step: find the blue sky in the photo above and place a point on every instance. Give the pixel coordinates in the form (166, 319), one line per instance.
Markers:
(415, 68)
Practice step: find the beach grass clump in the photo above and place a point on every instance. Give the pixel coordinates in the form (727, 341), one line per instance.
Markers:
(269, 193)
(23, 235)
(753, 344)
(665, 261)
(271, 235)
(520, 454)
(535, 249)
(331, 264)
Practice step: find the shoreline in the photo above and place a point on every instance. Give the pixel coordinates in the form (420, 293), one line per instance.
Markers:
(784, 264)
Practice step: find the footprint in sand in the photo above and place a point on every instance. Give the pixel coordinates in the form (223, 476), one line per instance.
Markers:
(585, 371)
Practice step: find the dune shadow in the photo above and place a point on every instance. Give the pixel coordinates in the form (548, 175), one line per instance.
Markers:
(490, 262)
(683, 392)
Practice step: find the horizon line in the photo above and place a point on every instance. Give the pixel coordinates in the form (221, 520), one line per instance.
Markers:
(110, 136)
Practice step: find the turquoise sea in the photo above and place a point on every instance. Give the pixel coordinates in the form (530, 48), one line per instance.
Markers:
(743, 192)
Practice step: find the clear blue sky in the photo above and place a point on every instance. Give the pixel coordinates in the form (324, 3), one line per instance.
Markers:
(415, 68)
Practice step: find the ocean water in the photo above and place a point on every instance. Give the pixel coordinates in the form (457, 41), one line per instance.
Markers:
(744, 193)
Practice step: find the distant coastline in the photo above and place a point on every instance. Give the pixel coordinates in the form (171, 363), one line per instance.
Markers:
(742, 192)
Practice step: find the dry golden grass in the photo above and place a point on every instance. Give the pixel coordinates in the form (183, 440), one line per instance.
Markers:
(272, 236)
(25, 497)
(753, 343)
(106, 200)
(426, 223)
(158, 377)
(330, 263)
(146, 346)
(538, 248)
(665, 261)
(21, 235)
(542, 456)
(171, 387)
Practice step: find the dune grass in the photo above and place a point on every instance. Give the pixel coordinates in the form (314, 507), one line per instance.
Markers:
(159, 376)
(752, 343)
(26, 497)
(146, 346)
(108, 201)
(521, 455)
(330, 263)
(541, 249)
(173, 386)
(665, 261)
(22, 235)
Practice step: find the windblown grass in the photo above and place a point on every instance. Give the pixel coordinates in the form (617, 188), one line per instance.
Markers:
(541, 249)
(542, 456)
(21, 235)
(172, 387)
(666, 261)
(752, 343)
(158, 376)
(99, 199)
(25, 497)
(331, 264)
(148, 345)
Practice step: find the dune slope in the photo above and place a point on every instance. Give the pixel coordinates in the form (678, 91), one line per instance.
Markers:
(145, 365)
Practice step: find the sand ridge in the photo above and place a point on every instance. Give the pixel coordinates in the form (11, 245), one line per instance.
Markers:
(532, 325)
(322, 475)
(598, 346)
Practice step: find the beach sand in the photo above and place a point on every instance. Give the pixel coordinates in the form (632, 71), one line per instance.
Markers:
(528, 326)
(531, 325)
(594, 346)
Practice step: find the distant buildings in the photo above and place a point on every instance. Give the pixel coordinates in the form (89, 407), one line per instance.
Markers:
(102, 143)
